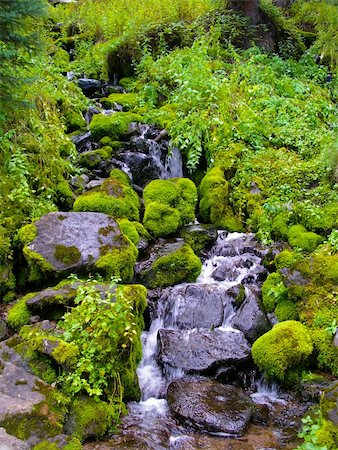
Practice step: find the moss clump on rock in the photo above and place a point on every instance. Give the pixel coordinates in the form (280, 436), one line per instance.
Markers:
(19, 314)
(300, 238)
(273, 291)
(66, 254)
(114, 197)
(115, 126)
(89, 418)
(287, 346)
(169, 204)
(93, 158)
(286, 310)
(128, 101)
(160, 219)
(286, 259)
(118, 262)
(177, 267)
(214, 204)
(326, 355)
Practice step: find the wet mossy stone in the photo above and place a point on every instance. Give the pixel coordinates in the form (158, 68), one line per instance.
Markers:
(114, 196)
(287, 346)
(93, 158)
(214, 203)
(89, 418)
(300, 238)
(136, 232)
(286, 310)
(169, 204)
(76, 242)
(169, 264)
(115, 126)
(286, 259)
(200, 237)
(30, 410)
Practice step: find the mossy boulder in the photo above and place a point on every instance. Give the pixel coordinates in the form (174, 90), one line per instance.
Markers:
(93, 158)
(127, 101)
(169, 204)
(286, 310)
(115, 126)
(30, 410)
(89, 418)
(136, 232)
(83, 242)
(169, 264)
(287, 346)
(114, 196)
(299, 237)
(214, 201)
(286, 259)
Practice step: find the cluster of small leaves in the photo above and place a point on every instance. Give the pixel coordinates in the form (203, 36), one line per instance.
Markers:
(104, 331)
(309, 433)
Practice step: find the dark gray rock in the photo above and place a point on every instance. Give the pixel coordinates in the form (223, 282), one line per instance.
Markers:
(71, 242)
(335, 339)
(89, 85)
(210, 406)
(202, 351)
(194, 306)
(250, 318)
(159, 249)
(330, 403)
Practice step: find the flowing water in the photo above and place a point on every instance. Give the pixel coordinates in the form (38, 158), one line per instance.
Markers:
(235, 259)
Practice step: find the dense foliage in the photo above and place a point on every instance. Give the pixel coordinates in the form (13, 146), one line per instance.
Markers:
(253, 110)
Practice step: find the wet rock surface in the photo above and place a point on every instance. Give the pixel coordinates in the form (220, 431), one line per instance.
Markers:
(8, 442)
(201, 351)
(83, 234)
(210, 406)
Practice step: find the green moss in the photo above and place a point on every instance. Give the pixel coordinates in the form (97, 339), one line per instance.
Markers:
(129, 229)
(199, 240)
(300, 238)
(214, 203)
(327, 435)
(19, 313)
(325, 353)
(64, 194)
(279, 228)
(46, 419)
(128, 101)
(286, 310)
(93, 158)
(39, 267)
(67, 255)
(65, 353)
(115, 126)
(27, 234)
(90, 418)
(115, 197)
(273, 291)
(72, 444)
(287, 346)
(286, 259)
(160, 219)
(7, 278)
(169, 204)
(128, 83)
(118, 262)
(178, 267)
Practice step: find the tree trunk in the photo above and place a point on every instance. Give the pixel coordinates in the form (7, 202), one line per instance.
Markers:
(248, 7)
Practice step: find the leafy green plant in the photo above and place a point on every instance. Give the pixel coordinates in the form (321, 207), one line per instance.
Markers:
(309, 430)
(104, 330)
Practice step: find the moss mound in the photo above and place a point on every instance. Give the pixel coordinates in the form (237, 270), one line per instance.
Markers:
(287, 346)
(179, 266)
(128, 101)
(115, 126)
(115, 197)
(169, 204)
(300, 238)
(214, 201)
(273, 290)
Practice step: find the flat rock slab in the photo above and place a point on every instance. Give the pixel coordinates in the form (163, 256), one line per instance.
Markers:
(202, 351)
(194, 306)
(210, 406)
(75, 240)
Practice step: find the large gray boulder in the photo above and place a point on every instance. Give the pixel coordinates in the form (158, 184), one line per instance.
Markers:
(60, 243)
(194, 306)
(202, 351)
(8, 442)
(210, 406)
